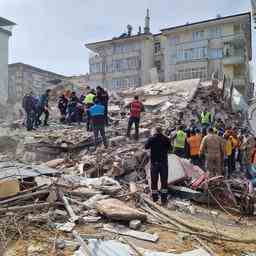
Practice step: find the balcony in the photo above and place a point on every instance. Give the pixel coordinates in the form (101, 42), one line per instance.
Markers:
(232, 60)
(233, 56)
(237, 40)
(239, 82)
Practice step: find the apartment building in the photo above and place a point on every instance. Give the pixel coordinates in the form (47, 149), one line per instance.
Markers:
(124, 61)
(215, 47)
(5, 32)
(220, 46)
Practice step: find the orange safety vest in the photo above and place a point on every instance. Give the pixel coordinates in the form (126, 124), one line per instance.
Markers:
(194, 143)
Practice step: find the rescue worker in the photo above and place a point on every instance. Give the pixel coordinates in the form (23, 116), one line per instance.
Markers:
(28, 105)
(235, 144)
(192, 125)
(97, 112)
(212, 148)
(247, 153)
(62, 106)
(159, 146)
(43, 107)
(179, 142)
(228, 154)
(136, 107)
(206, 119)
(103, 97)
(194, 143)
(89, 101)
(72, 111)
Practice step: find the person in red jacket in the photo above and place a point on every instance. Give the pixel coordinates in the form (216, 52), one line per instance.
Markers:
(136, 107)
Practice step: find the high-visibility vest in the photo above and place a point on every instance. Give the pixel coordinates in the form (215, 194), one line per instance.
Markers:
(180, 139)
(228, 147)
(234, 142)
(89, 99)
(194, 144)
(205, 118)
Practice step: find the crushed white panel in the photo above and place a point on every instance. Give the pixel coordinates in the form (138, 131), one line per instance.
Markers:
(175, 169)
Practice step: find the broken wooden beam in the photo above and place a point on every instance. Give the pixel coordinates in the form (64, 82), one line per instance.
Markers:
(25, 197)
(73, 216)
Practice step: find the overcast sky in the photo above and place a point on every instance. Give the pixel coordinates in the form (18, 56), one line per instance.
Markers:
(51, 34)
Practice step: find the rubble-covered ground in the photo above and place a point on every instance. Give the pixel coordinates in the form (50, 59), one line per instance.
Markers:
(60, 197)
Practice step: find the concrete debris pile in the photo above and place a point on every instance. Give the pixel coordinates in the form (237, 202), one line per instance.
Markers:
(73, 200)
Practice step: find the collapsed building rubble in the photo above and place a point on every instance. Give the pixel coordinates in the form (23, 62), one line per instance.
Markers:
(98, 200)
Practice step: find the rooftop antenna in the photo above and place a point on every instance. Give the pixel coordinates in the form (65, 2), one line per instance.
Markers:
(147, 23)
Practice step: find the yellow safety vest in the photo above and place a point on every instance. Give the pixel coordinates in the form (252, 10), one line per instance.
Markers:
(180, 139)
(205, 118)
(89, 99)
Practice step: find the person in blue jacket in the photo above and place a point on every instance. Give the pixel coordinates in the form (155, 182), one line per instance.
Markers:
(97, 115)
(42, 107)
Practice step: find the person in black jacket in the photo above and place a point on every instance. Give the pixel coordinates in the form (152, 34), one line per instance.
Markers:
(28, 104)
(159, 146)
(62, 105)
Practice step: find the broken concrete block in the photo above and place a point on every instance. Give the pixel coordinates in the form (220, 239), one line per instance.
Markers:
(135, 224)
(66, 227)
(9, 188)
(118, 210)
(55, 162)
(116, 141)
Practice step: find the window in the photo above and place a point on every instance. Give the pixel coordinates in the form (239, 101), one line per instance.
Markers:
(198, 35)
(215, 32)
(192, 54)
(125, 64)
(215, 53)
(173, 40)
(123, 48)
(123, 83)
(237, 28)
(157, 47)
(158, 65)
(191, 73)
(96, 68)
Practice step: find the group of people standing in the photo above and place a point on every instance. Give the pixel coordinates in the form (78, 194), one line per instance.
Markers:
(75, 109)
(210, 145)
(34, 108)
(213, 146)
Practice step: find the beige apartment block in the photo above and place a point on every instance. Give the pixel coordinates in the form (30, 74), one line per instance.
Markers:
(5, 32)
(215, 47)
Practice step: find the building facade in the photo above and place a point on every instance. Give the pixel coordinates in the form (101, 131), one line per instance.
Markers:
(24, 78)
(198, 50)
(5, 33)
(217, 47)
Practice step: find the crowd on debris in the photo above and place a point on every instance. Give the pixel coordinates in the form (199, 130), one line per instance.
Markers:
(195, 150)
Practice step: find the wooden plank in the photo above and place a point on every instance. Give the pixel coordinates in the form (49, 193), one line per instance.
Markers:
(122, 230)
